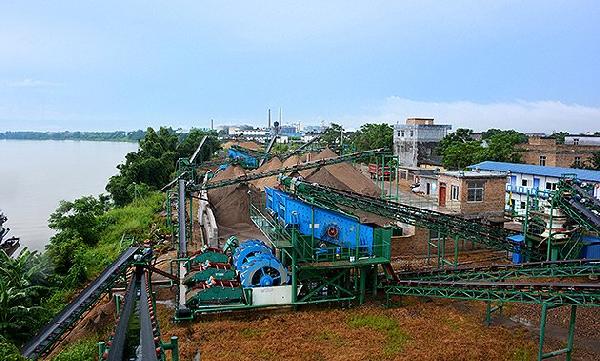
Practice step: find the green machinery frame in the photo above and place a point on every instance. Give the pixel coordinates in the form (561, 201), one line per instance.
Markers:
(342, 276)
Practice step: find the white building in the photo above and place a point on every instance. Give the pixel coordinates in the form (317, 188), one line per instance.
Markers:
(523, 179)
(582, 140)
(416, 142)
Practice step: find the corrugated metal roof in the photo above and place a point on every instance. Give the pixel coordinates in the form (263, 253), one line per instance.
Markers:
(583, 174)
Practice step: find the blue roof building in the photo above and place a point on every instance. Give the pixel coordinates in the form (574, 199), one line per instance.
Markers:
(524, 179)
(556, 172)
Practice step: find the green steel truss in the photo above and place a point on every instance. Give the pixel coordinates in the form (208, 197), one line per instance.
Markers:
(557, 269)
(452, 226)
(535, 293)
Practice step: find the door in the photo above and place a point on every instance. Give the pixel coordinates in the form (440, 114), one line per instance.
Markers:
(428, 192)
(442, 198)
(536, 183)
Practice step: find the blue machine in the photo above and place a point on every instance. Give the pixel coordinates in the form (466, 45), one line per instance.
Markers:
(246, 159)
(591, 248)
(247, 249)
(329, 226)
(263, 270)
(257, 265)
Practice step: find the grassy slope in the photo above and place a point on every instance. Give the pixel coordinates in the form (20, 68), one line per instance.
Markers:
(135, 219)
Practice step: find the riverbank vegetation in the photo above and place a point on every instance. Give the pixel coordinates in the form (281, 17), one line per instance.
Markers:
(117, 136)
(90, 234)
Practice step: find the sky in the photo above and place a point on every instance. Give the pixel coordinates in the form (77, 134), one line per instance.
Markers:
(124, 65)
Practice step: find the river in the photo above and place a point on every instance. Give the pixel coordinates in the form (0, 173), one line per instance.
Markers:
(36, 175)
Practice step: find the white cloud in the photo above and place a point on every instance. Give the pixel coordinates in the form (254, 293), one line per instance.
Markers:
(526, 116)
(30, 83)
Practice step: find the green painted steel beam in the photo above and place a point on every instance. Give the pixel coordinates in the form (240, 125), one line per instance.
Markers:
(534, 293)
(558, 269)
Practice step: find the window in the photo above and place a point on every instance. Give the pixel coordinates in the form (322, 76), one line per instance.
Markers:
(399, 133)
(412, 133)
(402, 133)
(542, 160)
(523, 205)
(524, 182)
(475, 191)
(550, 186)
(575, 141)
(577, 162)
(454, 192)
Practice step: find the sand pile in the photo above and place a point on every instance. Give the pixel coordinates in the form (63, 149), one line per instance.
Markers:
(250, 145)
(273, 164)
(342, 176)
(230, 204)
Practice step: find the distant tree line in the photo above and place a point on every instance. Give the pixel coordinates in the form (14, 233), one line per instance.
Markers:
(117, 136)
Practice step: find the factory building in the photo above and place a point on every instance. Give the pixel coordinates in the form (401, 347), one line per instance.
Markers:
(523, 179)
(416, 142)
(544, 151)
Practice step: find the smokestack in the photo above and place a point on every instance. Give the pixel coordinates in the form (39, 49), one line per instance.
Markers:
(269, 118)
(212, 124)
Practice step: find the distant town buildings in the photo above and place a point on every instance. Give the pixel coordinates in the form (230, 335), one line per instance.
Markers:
(416, 142)
(544, 151)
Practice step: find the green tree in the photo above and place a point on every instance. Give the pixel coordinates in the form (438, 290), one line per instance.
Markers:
(461, 135)
(501, 147)
(189, 143)
(459, 149)
(592, 163)
(462, 154)
(154, 164)
(516, 137)
(24, 282)
(79, 226)
(559, 136)
(373, 136)
(331, 137)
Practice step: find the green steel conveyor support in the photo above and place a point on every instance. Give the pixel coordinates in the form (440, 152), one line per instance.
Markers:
(553, 269)
(521, 292)
(491, 237)
(570, 338)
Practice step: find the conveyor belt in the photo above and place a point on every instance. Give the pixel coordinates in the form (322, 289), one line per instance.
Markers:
(569, 268)
(48, 335)
(117, 347)
(148, 347)
(521, 292)
(578, 204)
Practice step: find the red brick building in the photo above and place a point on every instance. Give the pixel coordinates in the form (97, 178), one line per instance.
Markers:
(545, 151)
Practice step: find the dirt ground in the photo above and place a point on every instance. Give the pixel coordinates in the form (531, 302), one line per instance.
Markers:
(416, 330)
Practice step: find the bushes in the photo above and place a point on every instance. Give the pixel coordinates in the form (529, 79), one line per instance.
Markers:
(84, 350)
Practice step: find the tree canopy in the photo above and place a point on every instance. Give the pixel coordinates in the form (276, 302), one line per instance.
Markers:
(460, 149)
(153, 165)
(373, 136)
